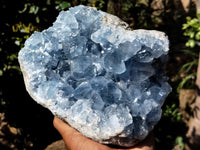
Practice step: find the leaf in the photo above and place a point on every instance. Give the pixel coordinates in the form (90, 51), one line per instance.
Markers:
(192, 35)
(188, 18)
(37, 19)
(65, 5)
(179, 141)
(44, 9)
(62, 5)
(188, 66)
(25, 8)
(190, 43)
(190, 52)
(198, 15)
(185, 26)
(193, 21)
(1, 72)
(17, 43)
(185, 80)
(48, 2)
(34, 9)
(12, 57)
(197, 36)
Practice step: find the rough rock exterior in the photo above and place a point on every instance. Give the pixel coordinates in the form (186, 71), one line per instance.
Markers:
(103, 79)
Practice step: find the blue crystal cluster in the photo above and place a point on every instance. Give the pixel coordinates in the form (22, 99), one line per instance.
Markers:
(99, 76)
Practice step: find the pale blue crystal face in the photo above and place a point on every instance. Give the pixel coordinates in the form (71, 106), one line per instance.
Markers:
(104, 80)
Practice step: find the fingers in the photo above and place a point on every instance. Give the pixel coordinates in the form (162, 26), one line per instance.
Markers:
(75, 140)
(147, 144)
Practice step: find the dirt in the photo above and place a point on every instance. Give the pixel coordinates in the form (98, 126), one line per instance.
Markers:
(10, 137)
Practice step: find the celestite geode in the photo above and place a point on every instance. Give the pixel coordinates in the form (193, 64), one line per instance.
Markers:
(103, 79)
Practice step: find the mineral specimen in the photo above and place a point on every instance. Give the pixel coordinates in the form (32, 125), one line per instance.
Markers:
(103, 79)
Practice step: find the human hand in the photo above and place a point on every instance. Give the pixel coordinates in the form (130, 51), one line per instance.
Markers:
(76, 141)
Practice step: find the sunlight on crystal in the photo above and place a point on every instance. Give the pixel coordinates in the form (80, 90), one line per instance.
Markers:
(103, 79)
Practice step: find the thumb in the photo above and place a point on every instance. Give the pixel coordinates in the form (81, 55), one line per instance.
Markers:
(74, 139)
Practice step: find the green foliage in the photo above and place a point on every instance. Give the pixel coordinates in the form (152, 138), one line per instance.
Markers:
(23, 31)
(188, 66)
(62, 5)
(97, 3)
(21, 18)
(172, 112)
(179, 141)
(142, 12)
(189, 70)
(192, 30)
(31, 9)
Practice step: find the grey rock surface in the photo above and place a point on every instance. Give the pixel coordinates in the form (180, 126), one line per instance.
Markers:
(93, 72)
(57, 145)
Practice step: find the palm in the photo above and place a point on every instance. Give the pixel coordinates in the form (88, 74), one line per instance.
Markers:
(76, 141)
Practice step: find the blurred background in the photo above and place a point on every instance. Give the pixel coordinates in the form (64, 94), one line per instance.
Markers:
(25, 125)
